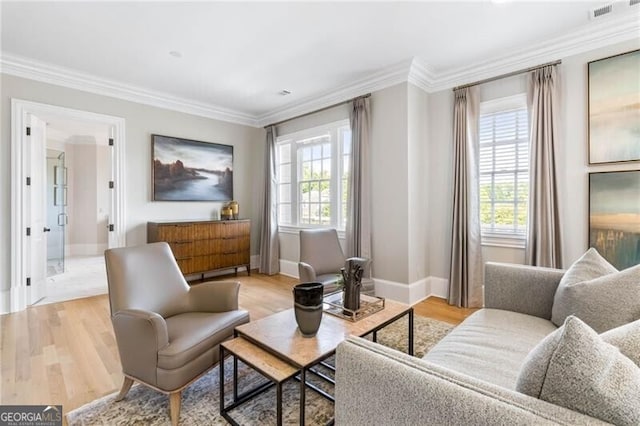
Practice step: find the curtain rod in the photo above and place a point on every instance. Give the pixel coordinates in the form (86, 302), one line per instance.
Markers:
(510, 74)
(319, 110)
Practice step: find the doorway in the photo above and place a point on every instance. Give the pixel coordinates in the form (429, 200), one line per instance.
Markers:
(79, 166)
(57, 218)
(78, 205)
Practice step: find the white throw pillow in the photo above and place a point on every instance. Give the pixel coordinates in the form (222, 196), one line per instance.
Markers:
(598, 294)
(574, 368)
(627, 339)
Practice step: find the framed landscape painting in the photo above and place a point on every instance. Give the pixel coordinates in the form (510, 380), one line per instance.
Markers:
(614, 108)
(188, 170)
(614, 216)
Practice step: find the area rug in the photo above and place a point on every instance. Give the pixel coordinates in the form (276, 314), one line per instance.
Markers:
(200, 401)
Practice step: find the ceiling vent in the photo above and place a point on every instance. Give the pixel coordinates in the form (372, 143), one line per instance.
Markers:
(601, 11)
(613, 8)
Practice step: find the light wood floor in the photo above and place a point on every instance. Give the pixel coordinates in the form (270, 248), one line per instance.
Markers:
(65, 353)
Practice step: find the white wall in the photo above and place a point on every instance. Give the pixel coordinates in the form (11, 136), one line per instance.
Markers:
(419, 205)
(88, 165)
(571, 153)
(440, 177)
(389, 183)
(82, 195)
(399, 184)
(141, 122)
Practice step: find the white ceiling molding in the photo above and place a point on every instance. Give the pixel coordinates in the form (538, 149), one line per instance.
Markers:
(387, 77)
(52, 74)
(422, 75)
(418, 72)
(608, 31)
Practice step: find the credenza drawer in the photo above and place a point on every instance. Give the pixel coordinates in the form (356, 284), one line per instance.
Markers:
(203, 246)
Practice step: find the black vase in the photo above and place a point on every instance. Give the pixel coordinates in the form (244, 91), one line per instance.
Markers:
(307, 298)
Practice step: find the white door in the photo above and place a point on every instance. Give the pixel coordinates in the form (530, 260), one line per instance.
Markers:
(37, 208)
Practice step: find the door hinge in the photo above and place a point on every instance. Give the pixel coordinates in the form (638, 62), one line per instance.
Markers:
(28, 181)
(110, 141)
(28, 282)
(111, 184)
(28, 232)
(28, 131)
(111, 227)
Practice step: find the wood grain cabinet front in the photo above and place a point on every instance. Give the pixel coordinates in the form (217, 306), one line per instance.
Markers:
(204, 246)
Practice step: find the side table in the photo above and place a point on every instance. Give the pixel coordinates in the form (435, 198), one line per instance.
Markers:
(270, 366)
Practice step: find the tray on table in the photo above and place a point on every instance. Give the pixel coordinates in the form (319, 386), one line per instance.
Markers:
(333, 304)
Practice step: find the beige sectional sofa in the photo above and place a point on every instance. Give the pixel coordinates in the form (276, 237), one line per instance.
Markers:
(467, 378)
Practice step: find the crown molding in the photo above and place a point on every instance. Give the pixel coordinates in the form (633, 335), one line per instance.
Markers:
(421, 74)
(416, 71)
(387, 77)
(589, 37)
(35, 70)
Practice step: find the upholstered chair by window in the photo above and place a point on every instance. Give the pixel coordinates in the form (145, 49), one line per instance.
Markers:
(321, 258)
(168, 333)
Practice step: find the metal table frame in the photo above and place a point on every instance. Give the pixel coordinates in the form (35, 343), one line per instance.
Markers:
(299, 375)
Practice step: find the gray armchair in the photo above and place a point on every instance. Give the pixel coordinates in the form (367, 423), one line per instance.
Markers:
(167, 332)
(321, 259)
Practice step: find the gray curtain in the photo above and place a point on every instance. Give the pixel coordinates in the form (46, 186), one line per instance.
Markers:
(269, 245)
(358, 232)
(465, 283)
(543, 233)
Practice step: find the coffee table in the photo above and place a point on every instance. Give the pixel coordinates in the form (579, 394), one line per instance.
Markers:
(274, 347)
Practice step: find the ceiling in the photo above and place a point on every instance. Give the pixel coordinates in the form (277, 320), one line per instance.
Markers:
(236, 57)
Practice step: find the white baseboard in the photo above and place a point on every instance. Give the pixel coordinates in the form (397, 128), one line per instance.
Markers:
(405, 293)
(414, 292)
(254, 261)
(439, 287)
(289, 268)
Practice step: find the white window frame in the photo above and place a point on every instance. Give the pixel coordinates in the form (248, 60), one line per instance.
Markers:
(305, 137)
(506, 239)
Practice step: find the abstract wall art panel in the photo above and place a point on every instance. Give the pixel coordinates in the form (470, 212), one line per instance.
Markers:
(614, 109)
(614, 216)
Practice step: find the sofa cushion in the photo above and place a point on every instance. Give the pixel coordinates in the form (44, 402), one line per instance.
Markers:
(598, 294)
(491, 345)
(574, 368)
(627, 339)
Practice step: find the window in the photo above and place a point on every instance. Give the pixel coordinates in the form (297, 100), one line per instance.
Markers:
(313, 173)
(504, 168)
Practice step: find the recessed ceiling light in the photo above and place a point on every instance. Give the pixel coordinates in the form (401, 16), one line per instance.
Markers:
(284, 92)
(175, 54)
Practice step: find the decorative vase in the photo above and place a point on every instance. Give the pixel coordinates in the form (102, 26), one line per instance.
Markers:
(352, 279)
(235, 209)
(307, 298)
(226, 213)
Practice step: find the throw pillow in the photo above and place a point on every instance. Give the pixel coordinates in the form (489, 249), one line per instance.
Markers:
(574, 368)
(627, 339)
(597, 293)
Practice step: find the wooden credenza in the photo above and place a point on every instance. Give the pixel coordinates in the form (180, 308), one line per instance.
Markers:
(203, 246)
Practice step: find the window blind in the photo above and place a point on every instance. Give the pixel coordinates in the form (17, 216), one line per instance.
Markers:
(504, 169)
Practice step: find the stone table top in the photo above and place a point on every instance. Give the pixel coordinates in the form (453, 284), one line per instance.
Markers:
(279, 334)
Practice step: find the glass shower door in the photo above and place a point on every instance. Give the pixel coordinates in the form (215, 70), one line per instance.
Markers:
(56, 211)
